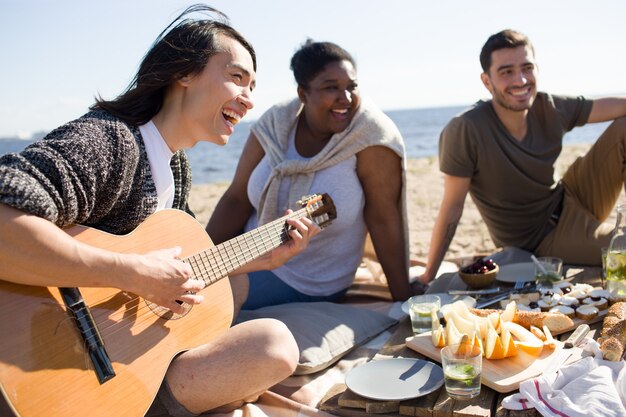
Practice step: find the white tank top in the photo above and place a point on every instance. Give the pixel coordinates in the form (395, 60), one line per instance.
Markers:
(329, 263)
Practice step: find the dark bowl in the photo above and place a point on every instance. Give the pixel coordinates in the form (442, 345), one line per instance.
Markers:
(479, 281)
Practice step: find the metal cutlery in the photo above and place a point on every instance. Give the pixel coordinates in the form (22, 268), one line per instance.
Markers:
(475, 292)
(561, 356)
(493, 300)
(518, 288)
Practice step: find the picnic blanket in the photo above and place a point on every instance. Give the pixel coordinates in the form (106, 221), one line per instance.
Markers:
(298, 396)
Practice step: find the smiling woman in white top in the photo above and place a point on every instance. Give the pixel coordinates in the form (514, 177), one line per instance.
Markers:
(328, 140)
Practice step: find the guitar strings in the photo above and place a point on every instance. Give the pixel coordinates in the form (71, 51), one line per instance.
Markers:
(139, 317)
(142, 313)
(243, 255)
(220, 258)
(212, 271)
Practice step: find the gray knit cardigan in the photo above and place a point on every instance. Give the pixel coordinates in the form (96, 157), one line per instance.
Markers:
(92, 171)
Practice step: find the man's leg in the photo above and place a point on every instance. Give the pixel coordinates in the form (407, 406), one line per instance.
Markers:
(578, 237)
(592, 184)
(597, 179)
(247, 360)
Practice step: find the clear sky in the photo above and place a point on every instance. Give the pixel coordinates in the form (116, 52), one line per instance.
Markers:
(58, 54)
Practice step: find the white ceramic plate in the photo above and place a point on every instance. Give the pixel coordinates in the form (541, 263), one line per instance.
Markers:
(524, 271)
(444, 268)
(445, 300)
(395, 379)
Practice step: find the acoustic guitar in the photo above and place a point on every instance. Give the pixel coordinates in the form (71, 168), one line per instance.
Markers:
(104, 352)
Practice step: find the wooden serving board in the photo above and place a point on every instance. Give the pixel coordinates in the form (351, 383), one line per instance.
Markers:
(502, 375)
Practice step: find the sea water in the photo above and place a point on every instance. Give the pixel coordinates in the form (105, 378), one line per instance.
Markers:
(420, 129)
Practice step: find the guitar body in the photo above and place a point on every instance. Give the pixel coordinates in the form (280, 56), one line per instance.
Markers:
(44, 368)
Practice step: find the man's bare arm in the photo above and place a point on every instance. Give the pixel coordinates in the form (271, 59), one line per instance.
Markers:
(450, 212)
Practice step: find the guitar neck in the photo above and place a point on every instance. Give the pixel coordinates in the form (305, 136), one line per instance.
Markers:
(219, 261)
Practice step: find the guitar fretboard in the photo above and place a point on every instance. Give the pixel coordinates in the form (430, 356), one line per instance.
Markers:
(217, 262)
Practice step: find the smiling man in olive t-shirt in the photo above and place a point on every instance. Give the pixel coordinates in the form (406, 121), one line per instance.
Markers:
(503, 152)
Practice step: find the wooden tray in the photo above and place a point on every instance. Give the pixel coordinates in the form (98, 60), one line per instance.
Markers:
(502, 375)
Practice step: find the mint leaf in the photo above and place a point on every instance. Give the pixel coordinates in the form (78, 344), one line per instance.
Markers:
(466, 369)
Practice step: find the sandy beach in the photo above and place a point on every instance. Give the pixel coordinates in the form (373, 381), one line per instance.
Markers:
(424, 192)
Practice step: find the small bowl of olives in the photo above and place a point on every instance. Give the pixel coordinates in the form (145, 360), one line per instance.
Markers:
(480, 274)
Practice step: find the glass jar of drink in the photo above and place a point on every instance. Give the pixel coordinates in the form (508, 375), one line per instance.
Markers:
(616, 256)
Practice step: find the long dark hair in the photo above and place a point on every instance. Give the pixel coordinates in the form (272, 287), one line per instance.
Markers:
(183, 48)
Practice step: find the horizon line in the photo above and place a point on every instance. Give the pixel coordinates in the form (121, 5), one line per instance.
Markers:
(31, 133)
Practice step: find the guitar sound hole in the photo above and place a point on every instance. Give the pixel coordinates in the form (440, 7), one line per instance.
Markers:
(166, 313)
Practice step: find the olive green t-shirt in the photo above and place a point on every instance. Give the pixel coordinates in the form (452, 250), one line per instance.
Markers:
(513, 183)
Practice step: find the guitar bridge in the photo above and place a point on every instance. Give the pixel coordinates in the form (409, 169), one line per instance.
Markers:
(89, 331)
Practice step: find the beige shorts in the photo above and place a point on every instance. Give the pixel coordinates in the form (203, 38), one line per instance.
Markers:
(165, 405)
(592, 184)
